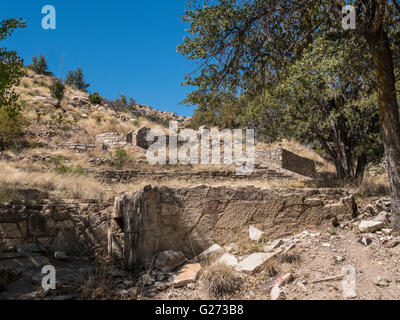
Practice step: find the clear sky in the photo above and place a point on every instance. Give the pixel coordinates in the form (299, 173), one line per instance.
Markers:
(126, 47)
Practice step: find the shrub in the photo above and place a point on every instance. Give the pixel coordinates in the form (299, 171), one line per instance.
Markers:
(57, 90)
(76, 79)
(39, 65)
(95, 98)
(11, 133)
(370, 187)
(220, 280)
(120, 158)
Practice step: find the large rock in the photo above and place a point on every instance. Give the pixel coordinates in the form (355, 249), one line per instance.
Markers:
(255, 234)
(169, 260)
(369, 226)
(186, 275)
(212, 253)
(254, 262)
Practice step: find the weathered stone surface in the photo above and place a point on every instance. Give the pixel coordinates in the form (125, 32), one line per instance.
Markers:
(254, 262)
(186, 275)
(369, 226)
(190, 220)
(27, 262)
(169, 260)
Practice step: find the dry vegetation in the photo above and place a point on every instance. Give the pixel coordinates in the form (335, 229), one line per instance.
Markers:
(220, 280)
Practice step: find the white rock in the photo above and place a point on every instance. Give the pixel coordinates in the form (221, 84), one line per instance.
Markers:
(255, 234)
(277, 293)
(254, 262)
(212, 253)
(228, 259)
(275, 244)
(369, 226)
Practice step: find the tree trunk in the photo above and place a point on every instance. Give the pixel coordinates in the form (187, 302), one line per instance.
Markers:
(379, 46)
(361, 165)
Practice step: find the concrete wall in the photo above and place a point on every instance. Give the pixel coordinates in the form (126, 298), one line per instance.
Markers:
(191, 219)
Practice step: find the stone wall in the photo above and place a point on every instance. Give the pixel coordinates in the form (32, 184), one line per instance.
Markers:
(191, 219)
(77, 227)
(286, 160)
(127, 176)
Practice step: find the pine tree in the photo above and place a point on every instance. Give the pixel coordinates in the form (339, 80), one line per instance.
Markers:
(76, 79)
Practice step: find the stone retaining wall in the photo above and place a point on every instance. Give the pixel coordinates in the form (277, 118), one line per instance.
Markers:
(77, 227)
(191, 219)
(127, 176)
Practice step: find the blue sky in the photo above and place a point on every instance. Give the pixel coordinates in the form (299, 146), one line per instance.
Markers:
(126, 47)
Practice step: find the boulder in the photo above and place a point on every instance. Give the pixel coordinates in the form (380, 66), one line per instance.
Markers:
(369, 226)
(212, 253)
(169, 260)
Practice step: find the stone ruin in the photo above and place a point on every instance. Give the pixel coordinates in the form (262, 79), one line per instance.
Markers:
(190, 220)
(139, 225)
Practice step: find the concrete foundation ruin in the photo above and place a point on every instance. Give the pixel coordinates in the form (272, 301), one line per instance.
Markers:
(191, 219)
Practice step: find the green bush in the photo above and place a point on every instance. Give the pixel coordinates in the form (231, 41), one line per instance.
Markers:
(120, 158)
(95, 98)
(57, 90)
(11, 133)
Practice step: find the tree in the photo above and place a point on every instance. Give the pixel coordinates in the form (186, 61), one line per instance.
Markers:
(243, 47)
(57, 90)
(39, 65)
(95, 98)
(76, 79)
(329, 107)
(11, 72)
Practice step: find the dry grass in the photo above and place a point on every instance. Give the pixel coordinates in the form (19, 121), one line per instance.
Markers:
(372, 186)
(289, 257)
(220, 280)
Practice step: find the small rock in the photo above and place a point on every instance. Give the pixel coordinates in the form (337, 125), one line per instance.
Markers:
(60, 255)
(369, 226)
(382, 282)
(365, 241)
(277, 293)
(255, 234)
